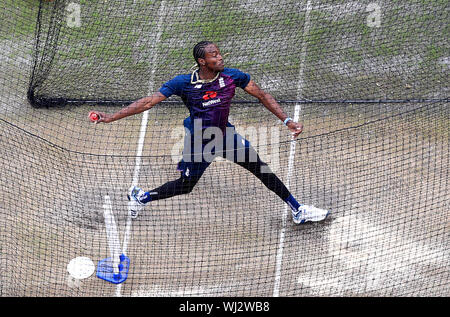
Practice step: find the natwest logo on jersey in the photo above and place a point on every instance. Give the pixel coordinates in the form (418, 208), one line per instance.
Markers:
(209, 96)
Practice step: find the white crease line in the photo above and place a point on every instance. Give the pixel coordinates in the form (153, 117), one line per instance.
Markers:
(301, 83)
(143, 130)
(112, 233)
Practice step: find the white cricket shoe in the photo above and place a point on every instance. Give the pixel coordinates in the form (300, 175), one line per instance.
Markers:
(134, 204)
(307, 213)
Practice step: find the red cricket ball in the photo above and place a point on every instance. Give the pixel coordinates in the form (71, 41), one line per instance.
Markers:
(93, 116)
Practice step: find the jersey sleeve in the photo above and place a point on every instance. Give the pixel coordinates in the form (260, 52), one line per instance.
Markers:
(174, 86)
(240, 78)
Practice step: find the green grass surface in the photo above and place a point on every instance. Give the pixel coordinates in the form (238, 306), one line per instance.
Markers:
(345, 58)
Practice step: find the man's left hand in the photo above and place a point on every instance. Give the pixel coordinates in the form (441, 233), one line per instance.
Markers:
(296, 128)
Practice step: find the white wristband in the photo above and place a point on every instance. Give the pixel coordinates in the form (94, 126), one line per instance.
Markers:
(287, 120)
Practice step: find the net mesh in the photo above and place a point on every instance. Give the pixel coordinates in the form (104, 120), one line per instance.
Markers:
(368, 79)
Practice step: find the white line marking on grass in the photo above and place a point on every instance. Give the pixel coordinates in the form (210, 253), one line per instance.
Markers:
(143, 128)
(301, 83)
(112, 233)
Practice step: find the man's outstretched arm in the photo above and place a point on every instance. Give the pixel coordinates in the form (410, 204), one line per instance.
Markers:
(270, 103)
(136, 107)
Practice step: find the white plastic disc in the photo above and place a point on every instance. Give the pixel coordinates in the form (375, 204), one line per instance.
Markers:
(81, 267)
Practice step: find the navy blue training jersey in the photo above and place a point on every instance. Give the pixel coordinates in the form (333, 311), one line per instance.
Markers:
(209, 102)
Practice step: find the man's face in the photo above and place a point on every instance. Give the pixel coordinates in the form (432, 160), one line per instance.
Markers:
(213, 59)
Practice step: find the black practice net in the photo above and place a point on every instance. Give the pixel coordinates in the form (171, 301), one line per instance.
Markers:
(368, 80)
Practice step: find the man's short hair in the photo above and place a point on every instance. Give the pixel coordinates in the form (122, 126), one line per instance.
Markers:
(199, 50)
